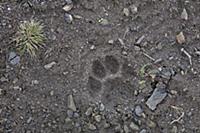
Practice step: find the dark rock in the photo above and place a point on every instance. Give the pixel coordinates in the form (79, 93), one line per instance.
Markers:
(157, 97)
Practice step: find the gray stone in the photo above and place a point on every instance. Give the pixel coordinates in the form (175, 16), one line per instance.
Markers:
(126, 12)
(101, 107)
(50, 65)
(71, 103)
(70, 113)
(134, 9)
(68, 123)
(134, 127)
(103, 21)
(92, 127)
(143, 131)
(157, 97)
(138, 110)
(184, 14)
(68, 18)
(97, 118)
(89, 111)
(68, 7)
(14, 59)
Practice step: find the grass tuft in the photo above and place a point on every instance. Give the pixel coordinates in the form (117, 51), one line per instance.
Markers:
(30, 37)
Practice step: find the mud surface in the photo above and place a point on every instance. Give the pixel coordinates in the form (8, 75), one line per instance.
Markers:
(113, 57)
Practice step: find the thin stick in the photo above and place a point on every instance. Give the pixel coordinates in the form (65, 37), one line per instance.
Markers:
(178, 119)
(148, 56)
(187, 54)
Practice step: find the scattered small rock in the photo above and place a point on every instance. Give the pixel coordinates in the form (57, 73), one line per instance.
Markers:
(68, 7)
(111, 41)
(92, 47)
(138, 110)
(34, 82)
(69, 123)
(97, 118)
(71, 104)
(143, 131)
(137, 48)
(89, 111)
(134, 127)
(180, 38)
(50, 65)
(184, 14)
(92, 127)
(70, 113)
(68, 17)
(14, 59)
(103, 21)
(134, 9)
(126, 12)
(51, 93)
(158, 96)
(101, 107)
(151, 124)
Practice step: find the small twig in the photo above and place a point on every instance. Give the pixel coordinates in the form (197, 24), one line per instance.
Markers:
(148, 56)
(187, 54)
(126, 32)
(140, 39)
(178, 119)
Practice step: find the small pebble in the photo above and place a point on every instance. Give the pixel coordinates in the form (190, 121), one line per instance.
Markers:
(50, 65)
(111, 41)
(143, 131)
(71, 103)
(70, 113)
(134, 127)
(97, 118)
(92, 47)
(89, 111)
(68, 7)
(103, 21)
(68, 18)
(126, 12)
(180, 38)
(102, 107)
(35, 82)
(151, 124)
(13, 58)
(184, 14)
(92, 127)
(138, 110)
(134, 9)
(51, 93)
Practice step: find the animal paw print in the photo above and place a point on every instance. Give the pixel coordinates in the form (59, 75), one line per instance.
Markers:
(106, 79)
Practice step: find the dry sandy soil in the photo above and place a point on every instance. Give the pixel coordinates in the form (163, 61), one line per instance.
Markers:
(117, 67)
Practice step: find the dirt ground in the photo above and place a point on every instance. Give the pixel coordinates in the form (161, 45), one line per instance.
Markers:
(108, 63)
